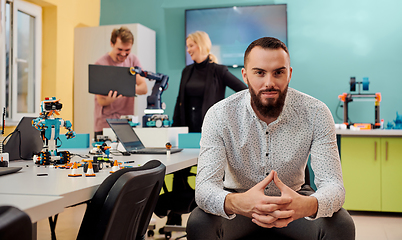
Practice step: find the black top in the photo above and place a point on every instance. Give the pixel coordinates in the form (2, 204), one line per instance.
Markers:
(194, 95)
(196, 84)
(202, 85)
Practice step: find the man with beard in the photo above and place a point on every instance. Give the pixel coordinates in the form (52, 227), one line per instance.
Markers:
(254, 150)
(114, 105)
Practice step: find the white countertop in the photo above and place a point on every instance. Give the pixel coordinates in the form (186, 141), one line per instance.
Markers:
(374, 132)
(47, 195)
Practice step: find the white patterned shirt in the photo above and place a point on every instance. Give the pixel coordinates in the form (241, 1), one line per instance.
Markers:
(238, 150)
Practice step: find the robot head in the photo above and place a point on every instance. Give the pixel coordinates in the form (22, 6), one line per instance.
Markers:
(51, 105)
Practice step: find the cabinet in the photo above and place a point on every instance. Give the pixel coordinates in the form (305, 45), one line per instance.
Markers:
(372, 173)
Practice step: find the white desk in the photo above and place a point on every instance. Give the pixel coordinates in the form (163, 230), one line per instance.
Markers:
(75, 190)
(374, 132)
(37, 207)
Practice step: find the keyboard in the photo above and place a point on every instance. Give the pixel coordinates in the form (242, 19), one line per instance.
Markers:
(8, 170)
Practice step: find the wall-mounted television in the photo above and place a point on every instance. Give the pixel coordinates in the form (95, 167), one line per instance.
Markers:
(232, 29)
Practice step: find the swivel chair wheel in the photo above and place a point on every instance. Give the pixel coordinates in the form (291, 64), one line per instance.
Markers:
(168, 235)
(150, 233)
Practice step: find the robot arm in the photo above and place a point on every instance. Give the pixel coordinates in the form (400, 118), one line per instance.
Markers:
(70, 133)
(154, 101)
(38, 123)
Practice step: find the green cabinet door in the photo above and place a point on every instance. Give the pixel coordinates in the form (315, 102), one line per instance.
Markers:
(361, 168)
(391, 168)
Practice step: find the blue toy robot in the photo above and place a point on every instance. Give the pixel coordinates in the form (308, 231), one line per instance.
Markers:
(50, 128)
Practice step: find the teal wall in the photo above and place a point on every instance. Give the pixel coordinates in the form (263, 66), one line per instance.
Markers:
(329, 41)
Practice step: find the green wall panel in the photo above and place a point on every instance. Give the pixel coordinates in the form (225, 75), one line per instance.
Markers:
(329, 41)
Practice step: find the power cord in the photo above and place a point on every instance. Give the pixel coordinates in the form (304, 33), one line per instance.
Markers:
(336, 112)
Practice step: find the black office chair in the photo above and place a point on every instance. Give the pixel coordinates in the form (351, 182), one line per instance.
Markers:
(180, 200)
(24, 142)
(123, 204)
(14, 224)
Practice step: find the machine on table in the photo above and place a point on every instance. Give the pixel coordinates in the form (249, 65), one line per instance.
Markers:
(346, 98)
(49, 126)
(154, 116)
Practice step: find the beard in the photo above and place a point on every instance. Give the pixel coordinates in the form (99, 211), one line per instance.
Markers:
(272, 108)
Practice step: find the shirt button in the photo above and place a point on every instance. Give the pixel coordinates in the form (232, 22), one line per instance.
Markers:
(267, 173)
(193, 108)
(266, 132)
(266, 154)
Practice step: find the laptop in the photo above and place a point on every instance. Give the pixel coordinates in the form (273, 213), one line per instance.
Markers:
(102, 79)
(24, 142)
(130, 140)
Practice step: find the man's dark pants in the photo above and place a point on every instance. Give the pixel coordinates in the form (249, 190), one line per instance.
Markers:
(202, 225)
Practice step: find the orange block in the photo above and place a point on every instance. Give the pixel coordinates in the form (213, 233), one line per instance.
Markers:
(363, 126)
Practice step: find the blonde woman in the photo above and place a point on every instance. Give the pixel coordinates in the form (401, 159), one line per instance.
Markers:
(203, 83)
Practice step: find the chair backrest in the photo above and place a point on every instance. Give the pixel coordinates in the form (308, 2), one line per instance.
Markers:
(181, 199)
(123, 205)
(24, 142)
(14, 224)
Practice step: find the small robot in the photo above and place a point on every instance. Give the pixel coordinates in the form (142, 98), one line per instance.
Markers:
(101, 149)
(50, 128)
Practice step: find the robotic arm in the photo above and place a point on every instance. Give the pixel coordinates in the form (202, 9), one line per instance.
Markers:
(68, 126)
(154, 101)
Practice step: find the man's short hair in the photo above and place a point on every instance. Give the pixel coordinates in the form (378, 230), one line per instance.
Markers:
(265, 43)
(124, 34)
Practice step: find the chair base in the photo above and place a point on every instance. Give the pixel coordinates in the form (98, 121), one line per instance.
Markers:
(168, 229)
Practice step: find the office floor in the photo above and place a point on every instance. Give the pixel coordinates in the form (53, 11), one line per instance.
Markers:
(369, 226)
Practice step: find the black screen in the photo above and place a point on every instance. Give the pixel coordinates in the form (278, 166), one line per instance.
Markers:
(125, 134)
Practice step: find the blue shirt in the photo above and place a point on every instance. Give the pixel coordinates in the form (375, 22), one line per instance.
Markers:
(238, 150)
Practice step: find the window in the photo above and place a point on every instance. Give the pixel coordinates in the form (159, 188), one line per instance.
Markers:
(21, 78)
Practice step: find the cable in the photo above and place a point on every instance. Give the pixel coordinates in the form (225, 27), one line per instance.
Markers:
(336, 111)
(79, 155)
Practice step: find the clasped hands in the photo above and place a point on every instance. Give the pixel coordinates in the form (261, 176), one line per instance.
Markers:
(271, 211)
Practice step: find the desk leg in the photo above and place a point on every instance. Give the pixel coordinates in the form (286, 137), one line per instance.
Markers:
(52, 223)
(34, 231)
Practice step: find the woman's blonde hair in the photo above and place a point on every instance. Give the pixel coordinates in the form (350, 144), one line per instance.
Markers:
(204, 43)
